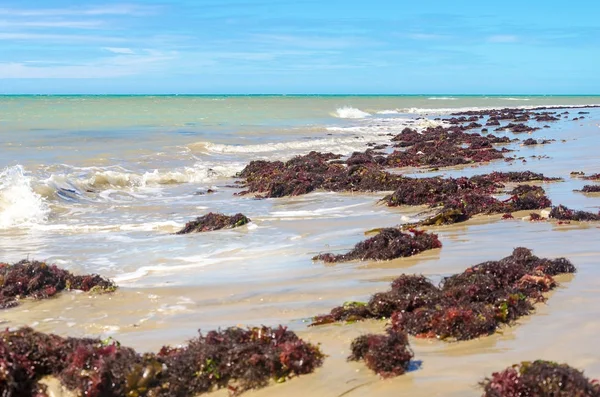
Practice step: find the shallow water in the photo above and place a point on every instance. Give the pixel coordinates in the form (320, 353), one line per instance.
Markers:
(99, 184)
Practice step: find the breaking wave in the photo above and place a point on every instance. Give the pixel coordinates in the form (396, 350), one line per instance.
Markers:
(348, 112)
(20, 205)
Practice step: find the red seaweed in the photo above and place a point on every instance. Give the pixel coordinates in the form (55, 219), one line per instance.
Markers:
(466, 305)
(388, 355)
(540, 378)
(38, 280)
(234, 358)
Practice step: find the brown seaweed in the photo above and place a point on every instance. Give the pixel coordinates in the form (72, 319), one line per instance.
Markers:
(214, 221)
(563, 213)
(389, 243)
(458, 199)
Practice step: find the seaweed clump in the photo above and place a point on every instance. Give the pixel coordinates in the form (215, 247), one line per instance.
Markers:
(540, 378)
(239, 359)
(214, 221)
(388, 355)
(464, 306)
(591, 189)
(592, 177)
(458, 199)
(389, 243)
(563, 213)
(304, 174)
(38, 280)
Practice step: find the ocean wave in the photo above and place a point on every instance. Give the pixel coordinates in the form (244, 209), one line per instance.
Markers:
(74, 184)
(20, 205)
(388, 111)
(515, 99)
(348, 112)
(338, 145)
(442, 98)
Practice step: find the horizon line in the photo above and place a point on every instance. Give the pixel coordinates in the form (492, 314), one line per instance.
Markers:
(311, 94)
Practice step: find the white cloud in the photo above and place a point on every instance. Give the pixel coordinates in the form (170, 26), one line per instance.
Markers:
(117, 66)
(57, 37)
(118, 9)
(119, 50)
(52, 24)
(503, 38)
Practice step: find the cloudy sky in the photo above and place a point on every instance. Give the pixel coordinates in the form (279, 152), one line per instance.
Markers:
(301, 46)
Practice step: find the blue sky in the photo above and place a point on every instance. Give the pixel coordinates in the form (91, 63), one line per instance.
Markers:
(301, 46)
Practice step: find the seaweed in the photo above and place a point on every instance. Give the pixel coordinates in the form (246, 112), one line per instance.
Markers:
(304, 174)
(531, 141)
(214, 221)
(38, 280)
(388, 355)
(590, 189)
(465, 305)
(388, 244)
(236, 358)
(593, 177)
(563, 213)
(458, 199)
(540, 378)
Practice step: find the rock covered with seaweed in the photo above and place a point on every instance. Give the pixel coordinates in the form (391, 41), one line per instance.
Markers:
(234, 358)
(214, 221)
(39, 280)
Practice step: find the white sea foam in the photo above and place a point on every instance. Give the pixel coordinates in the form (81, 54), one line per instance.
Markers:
(515, 99)
(442, 98)
(341, 145)
(348, 112)
(388, 111)
(20, 205)
(478, 108)
(75, 183)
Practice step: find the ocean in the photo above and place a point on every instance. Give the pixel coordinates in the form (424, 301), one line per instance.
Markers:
(99, 184)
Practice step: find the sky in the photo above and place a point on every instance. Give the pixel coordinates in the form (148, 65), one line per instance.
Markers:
(299, 47)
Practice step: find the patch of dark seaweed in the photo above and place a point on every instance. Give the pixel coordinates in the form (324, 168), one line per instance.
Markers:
(234, 358)
(466, 305)
(38, 280)
(390, 243)
(590, 189)
(304, 174)
(540, 378)
(458, 199)
(593, 177)
(388, 355)
(563, 213)
(214, 221)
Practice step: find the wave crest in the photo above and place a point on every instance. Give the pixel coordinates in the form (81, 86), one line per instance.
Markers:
(348, 112)
(20, 205)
